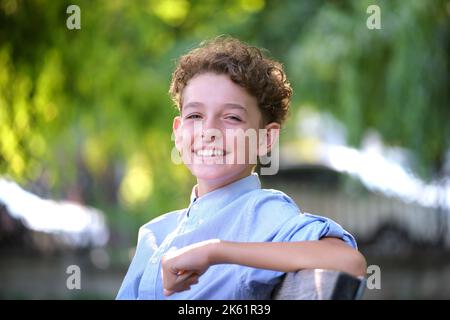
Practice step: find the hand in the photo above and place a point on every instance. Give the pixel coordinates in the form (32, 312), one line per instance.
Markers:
(183, 267)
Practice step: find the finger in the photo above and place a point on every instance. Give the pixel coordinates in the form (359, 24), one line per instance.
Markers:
(170, 277)
(167, 292)
(185, 283)
(193, 277)
(181, 272)
(170, 281)
(192, 281)
(175, 282)
(184, 276)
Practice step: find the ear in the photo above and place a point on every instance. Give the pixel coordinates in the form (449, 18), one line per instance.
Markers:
(271, 136)
(177, 132)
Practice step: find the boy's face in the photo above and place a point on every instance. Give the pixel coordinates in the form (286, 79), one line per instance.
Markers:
(215, 113)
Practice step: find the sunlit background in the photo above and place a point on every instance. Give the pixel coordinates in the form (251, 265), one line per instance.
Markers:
(85, 132)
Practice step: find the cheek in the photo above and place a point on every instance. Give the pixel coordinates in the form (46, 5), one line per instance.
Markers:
(243, 148)
(185, 138)
(190, 132)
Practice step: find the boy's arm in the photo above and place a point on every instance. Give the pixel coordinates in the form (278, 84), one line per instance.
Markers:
(182, 268)
(328, 253)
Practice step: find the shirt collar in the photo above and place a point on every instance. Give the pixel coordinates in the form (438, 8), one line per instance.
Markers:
(220, 197)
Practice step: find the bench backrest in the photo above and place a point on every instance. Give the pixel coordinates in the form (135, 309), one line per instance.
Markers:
(319, 284)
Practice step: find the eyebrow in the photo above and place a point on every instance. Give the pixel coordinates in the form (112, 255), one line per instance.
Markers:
(228, 105)
(236, 106)
(192, 105)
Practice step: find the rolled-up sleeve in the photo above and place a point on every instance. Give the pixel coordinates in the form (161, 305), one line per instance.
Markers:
(305, 226)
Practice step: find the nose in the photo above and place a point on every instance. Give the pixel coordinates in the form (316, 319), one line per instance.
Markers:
(208, 137)
(211, 130)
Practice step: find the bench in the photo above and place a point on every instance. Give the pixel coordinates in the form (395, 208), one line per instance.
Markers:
(319, 284)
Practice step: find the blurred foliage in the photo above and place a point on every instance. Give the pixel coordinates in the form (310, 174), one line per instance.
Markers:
(394, 80)
(88, 109)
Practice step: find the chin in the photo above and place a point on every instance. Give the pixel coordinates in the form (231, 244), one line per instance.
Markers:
(215, 172)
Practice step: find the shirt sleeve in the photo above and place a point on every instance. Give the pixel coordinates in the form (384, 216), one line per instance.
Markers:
(276, 218)
(306, 226)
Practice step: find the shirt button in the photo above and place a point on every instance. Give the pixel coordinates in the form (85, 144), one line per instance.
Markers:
(200, 222)
(154, 260)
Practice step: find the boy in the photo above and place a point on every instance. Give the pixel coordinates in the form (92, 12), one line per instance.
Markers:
(235, 240)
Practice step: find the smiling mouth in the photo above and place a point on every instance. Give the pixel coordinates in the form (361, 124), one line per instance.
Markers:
(210, 153)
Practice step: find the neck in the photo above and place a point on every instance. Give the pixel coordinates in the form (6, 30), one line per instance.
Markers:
(205, 186)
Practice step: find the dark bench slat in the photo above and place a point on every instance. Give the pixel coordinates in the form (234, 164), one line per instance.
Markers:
(319, 284)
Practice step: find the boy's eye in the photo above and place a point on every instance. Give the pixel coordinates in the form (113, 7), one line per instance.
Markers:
(234, 118)
(193, 116)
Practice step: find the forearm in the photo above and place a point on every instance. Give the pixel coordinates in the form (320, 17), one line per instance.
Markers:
(290, 256)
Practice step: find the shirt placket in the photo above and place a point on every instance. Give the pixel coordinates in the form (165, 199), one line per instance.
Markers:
(153, 269)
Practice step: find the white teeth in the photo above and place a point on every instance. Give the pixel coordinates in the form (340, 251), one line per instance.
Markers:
(209, 153)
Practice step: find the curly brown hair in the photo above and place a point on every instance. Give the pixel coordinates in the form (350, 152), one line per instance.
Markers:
(246, 65)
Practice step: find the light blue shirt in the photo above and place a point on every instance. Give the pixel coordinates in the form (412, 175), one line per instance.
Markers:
(240, 211)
